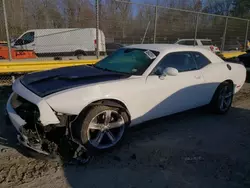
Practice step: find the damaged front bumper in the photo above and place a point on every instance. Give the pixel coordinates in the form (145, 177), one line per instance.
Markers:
(41, 129)
(50, 140)
(20, 124)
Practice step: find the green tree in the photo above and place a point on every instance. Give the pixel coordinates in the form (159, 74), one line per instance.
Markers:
(241, 8)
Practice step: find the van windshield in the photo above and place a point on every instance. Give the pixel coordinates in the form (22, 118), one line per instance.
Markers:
(128, 60)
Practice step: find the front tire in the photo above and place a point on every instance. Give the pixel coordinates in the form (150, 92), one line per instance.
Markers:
(222, 99)
(103, 128)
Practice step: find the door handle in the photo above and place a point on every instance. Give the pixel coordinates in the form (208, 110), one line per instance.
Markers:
(33, 45)
(197, 77)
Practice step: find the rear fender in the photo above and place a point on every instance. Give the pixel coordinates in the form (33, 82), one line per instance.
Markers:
(237, 74)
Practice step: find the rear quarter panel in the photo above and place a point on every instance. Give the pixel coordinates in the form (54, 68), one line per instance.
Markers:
(219, 72)
(238, 75)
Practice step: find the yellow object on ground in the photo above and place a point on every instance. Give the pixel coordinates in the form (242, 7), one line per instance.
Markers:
(30, 66)
(232, 54)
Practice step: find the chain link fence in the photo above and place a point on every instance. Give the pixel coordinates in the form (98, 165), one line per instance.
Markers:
(131, 23)
(8, 79)
(123, 22)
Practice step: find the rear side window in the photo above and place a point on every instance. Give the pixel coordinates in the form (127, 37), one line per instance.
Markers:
(201, 60)
(181, 42)
(206, 42)
(188, 42)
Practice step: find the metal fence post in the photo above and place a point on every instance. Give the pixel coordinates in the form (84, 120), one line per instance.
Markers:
(146, 31)
(97, 29)
(196, 28)
(245, 45)
(155, 28)
(7, 30)
(224, 36)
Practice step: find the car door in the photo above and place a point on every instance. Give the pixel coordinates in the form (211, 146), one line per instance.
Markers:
(173, 93)
(207, 70)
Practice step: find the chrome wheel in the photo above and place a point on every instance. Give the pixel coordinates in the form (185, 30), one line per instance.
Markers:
(106, 129)
(225, 98)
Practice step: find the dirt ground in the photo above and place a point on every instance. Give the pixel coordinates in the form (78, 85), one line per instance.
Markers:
(192, 149)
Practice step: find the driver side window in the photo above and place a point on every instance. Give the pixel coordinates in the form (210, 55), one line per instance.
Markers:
(182, 61)
(27, 38)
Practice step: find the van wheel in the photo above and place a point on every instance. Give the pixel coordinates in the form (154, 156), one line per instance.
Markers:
(80, 54)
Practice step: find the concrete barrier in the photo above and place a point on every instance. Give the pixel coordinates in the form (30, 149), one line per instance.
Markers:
(30, 66)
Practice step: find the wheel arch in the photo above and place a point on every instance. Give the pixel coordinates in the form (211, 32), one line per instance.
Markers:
(228, 80)
(106, 102)
(215, 91)
(231, 82)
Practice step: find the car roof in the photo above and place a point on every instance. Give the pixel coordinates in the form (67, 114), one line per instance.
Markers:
(165, 48)
(196, 39)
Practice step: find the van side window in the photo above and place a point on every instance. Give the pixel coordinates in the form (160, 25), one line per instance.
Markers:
(28, 38)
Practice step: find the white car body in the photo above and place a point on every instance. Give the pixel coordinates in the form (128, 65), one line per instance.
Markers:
(47, 42)
(145, 96)
(202, 43)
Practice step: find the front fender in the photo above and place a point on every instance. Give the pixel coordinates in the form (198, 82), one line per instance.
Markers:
(73, 101)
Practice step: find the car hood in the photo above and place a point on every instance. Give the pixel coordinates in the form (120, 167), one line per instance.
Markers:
(48, 82)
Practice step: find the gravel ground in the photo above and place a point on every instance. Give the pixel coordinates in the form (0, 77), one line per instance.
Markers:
(192, 149)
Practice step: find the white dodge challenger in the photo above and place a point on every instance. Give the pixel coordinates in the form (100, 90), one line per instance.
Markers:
(92, 106)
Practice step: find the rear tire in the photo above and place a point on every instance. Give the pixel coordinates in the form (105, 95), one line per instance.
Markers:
(222, 99)
(95, 128)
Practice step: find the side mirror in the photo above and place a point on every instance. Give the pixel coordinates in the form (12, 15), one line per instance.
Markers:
(170, 71)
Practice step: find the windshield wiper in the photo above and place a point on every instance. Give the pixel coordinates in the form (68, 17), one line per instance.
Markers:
(102, 68)
(105, 69)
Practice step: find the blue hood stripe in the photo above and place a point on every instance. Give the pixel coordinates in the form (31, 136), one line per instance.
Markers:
(55, 80)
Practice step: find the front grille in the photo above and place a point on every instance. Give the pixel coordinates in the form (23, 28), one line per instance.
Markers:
(25, 109)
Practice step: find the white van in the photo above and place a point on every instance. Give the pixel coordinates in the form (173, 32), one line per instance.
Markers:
(61, 42)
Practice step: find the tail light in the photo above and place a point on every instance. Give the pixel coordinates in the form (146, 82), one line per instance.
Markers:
(95, 43)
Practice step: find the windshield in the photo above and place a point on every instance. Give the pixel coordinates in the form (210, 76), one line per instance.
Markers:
(128, 61)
